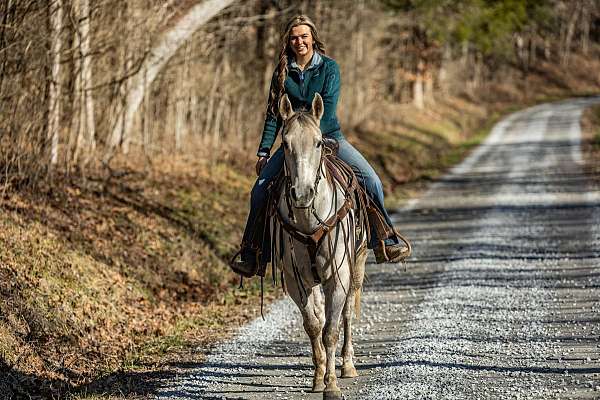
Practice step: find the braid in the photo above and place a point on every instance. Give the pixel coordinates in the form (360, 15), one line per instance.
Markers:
(278, 89)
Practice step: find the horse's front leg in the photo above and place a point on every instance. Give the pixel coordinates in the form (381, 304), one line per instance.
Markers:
(313, 317)
(313, 325)
(335, 288)
(351, 308)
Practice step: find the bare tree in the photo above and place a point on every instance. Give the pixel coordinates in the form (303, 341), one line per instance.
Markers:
(56, 26)
(568, 31)
(83, 127)
(168, 43)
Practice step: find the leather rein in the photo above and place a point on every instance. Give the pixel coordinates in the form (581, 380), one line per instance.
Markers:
(314, 239)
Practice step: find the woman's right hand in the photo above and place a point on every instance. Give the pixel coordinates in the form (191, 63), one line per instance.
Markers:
(262, 161)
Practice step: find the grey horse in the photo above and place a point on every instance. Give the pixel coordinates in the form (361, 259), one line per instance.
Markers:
(326, 285)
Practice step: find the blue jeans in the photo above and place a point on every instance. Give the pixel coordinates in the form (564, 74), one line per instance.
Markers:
(366, 175)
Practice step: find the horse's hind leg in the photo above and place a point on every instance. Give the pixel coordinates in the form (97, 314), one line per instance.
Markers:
(348, 370)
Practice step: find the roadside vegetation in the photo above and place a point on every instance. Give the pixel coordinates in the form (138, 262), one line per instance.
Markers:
(114, 241)
(591, 141)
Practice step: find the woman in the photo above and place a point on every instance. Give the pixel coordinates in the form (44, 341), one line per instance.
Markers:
(302, 71)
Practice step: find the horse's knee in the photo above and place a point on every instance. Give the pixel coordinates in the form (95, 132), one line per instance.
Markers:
(320, 315)
(312, 326)
(330, 336)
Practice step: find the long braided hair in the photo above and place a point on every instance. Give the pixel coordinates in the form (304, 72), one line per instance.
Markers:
(286, 51)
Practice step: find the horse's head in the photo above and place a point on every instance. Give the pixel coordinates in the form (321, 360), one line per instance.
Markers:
(303, 146)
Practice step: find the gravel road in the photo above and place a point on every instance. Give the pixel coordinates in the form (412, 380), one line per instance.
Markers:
(501, 299)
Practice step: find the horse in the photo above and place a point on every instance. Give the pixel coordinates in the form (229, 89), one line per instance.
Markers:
(317, 247)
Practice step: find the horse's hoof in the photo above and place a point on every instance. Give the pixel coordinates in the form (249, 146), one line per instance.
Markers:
(318, 387)
(349, 372)
(333, 395)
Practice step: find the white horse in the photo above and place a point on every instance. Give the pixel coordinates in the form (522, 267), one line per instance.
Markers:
(316, 246)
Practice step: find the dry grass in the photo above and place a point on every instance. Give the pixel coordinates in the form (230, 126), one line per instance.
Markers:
(97, 277)
(590, 124)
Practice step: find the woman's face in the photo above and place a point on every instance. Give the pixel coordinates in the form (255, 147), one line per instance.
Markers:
(301, 40)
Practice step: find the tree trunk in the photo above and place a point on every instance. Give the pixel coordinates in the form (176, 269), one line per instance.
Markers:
(569, 33)
(585, 26)
(83, 110)
(211, 100)
(182, 100)
(465, 53)
(418, 98)
(418, 92)
(520, 49)
(56, 25)
(216, 132)
(547, 49)
(145, 120)
(428, 87)
(167, 45)
(443, 71)
(532, 58)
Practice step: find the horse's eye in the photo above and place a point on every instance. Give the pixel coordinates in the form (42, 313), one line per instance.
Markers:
(286, 145)
(319, 143)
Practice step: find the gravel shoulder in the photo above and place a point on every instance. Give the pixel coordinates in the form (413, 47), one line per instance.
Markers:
(500, 300)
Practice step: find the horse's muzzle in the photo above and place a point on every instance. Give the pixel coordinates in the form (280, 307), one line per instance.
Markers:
(302, 198)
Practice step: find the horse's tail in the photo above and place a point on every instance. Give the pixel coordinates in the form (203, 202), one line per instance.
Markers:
(358, 275)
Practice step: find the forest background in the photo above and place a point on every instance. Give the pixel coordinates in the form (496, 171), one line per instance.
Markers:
(128, 133)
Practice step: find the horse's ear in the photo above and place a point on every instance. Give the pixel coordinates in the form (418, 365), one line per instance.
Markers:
(317, 107)
(285, 107)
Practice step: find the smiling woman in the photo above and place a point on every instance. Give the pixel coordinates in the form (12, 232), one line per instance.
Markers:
(303, 71)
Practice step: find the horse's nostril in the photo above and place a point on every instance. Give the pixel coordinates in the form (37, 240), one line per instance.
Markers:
(293, 194)
(311, 192)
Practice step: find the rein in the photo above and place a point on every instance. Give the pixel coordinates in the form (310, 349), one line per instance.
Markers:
(314, 239)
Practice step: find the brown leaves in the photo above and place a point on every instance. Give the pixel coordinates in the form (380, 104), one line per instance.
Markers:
(95, 278)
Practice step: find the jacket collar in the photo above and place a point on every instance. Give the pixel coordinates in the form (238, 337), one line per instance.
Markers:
(315, 61)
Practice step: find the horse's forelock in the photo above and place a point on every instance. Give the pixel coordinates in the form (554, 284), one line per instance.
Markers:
(306, 121)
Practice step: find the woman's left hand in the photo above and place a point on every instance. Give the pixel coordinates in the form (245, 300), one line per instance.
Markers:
(262, 161)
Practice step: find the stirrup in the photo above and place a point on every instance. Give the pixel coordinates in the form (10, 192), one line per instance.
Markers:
(393, 253)
(245, 268)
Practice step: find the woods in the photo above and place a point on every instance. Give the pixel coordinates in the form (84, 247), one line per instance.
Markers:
(82, 84)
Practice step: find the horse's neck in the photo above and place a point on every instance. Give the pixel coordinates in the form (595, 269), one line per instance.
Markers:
(328, 199)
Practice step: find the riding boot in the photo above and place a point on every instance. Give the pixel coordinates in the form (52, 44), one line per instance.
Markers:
(388, 246)
(254, 249)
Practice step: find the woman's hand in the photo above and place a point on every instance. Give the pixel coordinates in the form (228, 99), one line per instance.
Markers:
(262, 161)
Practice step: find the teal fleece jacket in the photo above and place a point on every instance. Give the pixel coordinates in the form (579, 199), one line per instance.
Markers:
(323, 77)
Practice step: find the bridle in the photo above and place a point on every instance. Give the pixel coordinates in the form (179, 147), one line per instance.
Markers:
(288, 185)
(341, 177)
